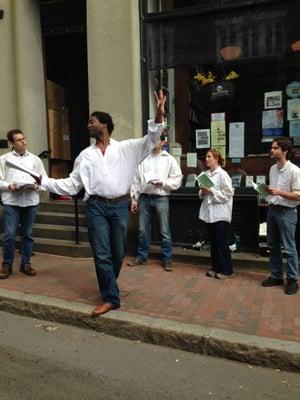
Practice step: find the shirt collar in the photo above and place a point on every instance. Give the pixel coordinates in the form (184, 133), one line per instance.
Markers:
(163, 153)
(215, 171)
(19, 155)
(285, 166)
(111, 141)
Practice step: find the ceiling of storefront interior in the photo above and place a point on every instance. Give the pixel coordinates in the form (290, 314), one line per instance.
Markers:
(63, 16)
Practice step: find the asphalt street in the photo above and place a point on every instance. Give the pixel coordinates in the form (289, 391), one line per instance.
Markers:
(47, 360)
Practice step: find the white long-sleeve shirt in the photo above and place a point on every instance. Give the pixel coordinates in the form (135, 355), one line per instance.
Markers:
(218, 205)
(10, 175)
(159, 167)
(109, 175)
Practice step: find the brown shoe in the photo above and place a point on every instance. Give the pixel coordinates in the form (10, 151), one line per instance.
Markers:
(136, 262)
(167, 264)
(5, 271)
(101, 309)
(27, 269)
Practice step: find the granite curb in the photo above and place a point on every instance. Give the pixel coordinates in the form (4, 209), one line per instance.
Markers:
(263, 351)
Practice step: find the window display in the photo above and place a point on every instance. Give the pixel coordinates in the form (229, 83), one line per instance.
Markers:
(229, 57)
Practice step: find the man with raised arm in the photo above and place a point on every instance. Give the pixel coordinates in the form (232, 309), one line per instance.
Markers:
(105, 170)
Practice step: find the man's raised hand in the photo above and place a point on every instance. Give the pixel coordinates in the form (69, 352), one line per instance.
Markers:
(160, 105)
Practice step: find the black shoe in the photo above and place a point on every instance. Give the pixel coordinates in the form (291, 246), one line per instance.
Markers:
(167, 264)
(291, 286)
(272, 282)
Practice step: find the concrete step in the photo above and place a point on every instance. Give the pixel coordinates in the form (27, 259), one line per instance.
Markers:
(60, 247)
(248, 260)
(59, 218)
(62, 232)
(67, 206)
(67, 248)
(54, 230)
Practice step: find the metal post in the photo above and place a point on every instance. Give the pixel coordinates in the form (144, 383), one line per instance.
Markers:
(76, 219)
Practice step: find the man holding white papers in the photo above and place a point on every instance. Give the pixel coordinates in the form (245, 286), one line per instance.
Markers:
(20, 199)
(216, 193)
(284, 197)
(156, 176)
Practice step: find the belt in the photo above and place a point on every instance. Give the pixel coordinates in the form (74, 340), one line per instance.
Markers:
(114, 200)
(153, 196)
(279, 207)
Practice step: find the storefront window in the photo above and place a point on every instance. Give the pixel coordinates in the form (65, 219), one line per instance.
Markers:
(240, 63)
(166, 5)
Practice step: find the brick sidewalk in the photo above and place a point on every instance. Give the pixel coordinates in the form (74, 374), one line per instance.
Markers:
(185, 295)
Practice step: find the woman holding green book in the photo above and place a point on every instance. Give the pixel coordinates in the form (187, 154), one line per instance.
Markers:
(216, 193)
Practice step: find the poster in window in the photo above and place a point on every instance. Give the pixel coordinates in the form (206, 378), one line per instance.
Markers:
(273, 99)
(202, 138)
(272, 123)
(293, 89)
(236, 139)
(293, 109)
(217, 117)
(218, 133)
(191, 160)
(249, 180)
(295, 128)
(260, 179)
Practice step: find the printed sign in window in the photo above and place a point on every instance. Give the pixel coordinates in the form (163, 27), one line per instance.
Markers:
(202, 139)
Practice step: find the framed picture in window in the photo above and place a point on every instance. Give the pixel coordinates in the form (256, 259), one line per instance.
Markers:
(202, 138)
(236, 180)
(273, 99)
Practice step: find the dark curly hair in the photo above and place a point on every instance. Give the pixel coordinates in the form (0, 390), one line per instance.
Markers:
(104, 118)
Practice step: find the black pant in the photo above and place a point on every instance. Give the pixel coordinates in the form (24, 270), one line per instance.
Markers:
(219, 250)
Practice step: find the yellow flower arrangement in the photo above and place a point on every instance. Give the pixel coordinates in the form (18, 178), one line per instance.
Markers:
(205, 79)
(231, 75)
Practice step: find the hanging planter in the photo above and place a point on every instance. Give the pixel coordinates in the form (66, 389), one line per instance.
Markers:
(230, 53)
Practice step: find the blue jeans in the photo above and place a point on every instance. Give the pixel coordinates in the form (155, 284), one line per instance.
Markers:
(281, 227)
(219, 247)
(107, 228)
(13, 216)
(161, 205)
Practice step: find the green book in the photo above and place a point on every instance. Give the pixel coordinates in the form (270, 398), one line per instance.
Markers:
(204, 181)
(261, 189)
